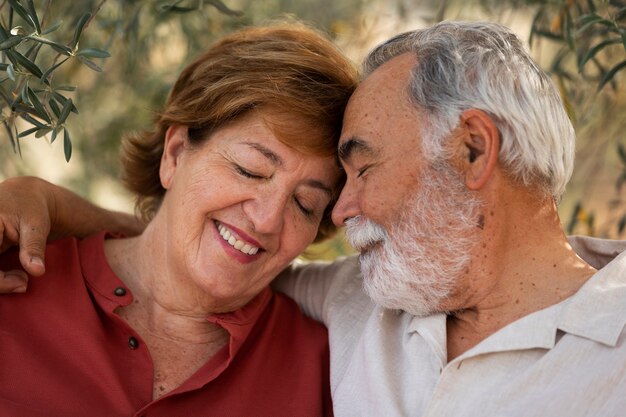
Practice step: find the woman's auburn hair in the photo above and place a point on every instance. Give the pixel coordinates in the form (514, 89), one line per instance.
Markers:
(289, 70)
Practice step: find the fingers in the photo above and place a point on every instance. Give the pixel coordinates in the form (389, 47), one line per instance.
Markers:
(15, 281)
(32, 248)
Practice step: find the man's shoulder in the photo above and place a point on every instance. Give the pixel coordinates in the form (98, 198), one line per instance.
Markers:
(596, 252)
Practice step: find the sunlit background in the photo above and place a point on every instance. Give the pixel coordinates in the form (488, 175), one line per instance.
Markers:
(148, 50)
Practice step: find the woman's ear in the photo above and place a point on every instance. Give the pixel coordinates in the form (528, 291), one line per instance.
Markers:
(175, 139)
(482, 143)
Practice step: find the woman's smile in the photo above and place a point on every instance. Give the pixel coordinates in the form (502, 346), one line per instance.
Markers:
(236, 243)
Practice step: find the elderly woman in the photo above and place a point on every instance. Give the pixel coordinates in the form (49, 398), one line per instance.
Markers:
(236, 180)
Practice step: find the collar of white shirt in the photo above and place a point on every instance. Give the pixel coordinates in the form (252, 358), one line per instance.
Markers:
(596, 312)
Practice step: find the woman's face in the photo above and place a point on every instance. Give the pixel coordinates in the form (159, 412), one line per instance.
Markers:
(239, 207)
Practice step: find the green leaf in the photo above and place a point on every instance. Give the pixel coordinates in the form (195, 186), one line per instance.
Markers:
(65, 88)
(13, 138)
(28, 132)
(622, 153)
(223, 8)
(592, 6)
(93, 53)
(79, 28)
(65, 112)
(32, 52)
(11, 42)
(621, 225)
(588, 20)
(89, 63)
(67, 144)
(52, 27)
(569, 35)
(10, 135)
(19, 9)
(33, 15)
(175, 8)
(610, 74)
(591, 20)
(4, 35)
(65, 50)
(574, 218)
(32, 120)
(55, 107)
(24, 92)
(593, 51)
(25, 62)
(43, 132)
(549, 35)
(44, 76)
(39, 108)
(11, 72)
(178, 9)
(61, 99)
(54, 135)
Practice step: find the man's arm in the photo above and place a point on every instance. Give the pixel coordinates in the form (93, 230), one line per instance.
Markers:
(316, 286)
(31, 209)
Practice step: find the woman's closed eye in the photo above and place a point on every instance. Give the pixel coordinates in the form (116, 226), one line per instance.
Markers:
(311, 206)
(302, 207)
(249, 174)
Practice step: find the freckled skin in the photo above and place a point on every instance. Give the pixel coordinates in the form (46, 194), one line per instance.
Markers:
(519, 232)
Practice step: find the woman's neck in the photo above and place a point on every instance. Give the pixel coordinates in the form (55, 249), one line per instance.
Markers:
(170, 319)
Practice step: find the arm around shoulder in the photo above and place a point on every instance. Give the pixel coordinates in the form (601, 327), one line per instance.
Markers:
(315, 285)
(31, 209)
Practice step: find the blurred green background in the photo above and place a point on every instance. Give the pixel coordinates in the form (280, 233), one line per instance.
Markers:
(581, 43)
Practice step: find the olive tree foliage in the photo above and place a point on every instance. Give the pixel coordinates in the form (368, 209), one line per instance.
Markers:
(41, 44)
(589, 66)
(117, 73)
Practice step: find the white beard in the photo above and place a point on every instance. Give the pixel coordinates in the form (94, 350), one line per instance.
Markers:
(415, 265)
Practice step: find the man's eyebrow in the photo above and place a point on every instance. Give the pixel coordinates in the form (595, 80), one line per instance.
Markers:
(354, 145)
(266, 152)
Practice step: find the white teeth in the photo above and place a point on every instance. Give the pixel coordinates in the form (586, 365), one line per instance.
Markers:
(236, 243)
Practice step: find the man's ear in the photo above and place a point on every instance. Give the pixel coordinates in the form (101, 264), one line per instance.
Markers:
(482, 143)
(175, 139)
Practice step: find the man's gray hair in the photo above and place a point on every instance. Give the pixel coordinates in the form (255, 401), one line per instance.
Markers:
(482, 65)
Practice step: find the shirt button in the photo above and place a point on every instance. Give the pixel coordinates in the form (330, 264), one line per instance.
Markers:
(133, 343)
(120, 291)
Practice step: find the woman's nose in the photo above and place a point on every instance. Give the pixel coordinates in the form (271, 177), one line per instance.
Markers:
(267, 212)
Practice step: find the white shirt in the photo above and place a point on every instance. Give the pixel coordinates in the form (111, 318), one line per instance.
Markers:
(566, 360)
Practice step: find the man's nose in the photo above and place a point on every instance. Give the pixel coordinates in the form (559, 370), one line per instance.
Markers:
(347, 206)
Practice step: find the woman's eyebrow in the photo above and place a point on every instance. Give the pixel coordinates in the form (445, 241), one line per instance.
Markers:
(278, 161)
(320, 186)
(266, 152)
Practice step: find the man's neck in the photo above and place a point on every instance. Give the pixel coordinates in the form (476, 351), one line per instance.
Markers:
(524, 265)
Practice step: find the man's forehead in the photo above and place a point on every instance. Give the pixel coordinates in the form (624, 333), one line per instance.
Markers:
(378, 98)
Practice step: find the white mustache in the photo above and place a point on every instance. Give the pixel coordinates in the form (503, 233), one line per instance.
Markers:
(362, 232)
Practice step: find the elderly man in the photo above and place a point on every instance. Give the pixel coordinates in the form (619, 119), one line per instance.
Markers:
(456, 147)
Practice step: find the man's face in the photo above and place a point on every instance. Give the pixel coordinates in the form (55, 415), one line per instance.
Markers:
(379, 146)
(411, 219)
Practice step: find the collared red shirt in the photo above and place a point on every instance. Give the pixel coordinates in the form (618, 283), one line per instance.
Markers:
(566, 360)
(65, 352)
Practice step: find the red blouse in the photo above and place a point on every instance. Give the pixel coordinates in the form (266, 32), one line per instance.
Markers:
(64, 352)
